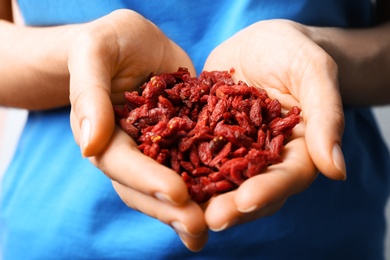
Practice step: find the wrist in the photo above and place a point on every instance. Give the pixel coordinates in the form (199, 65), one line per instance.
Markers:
(361, 56)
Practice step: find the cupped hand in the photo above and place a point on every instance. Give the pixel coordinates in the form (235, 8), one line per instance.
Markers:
(279, 56)
(109, 56)
(145, 185)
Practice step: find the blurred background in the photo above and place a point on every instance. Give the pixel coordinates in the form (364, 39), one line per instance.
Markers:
(383, 116)
(12, 121)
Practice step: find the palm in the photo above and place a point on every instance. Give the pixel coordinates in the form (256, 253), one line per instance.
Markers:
(114, 54)
(279, 57)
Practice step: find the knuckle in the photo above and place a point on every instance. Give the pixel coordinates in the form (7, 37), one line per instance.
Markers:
(76, 97)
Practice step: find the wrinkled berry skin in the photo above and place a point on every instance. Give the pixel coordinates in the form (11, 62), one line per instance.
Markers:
(212, 131)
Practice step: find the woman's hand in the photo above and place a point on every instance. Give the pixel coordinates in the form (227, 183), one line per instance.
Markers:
(278, 56)
(145, 185)
(108, 57)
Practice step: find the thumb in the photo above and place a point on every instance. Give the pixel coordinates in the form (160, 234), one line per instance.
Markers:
(92, 116)
(324, 117)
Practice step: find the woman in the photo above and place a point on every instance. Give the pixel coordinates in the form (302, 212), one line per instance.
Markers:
(66, 208)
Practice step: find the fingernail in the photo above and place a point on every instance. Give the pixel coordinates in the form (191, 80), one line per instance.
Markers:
(182, 229)
(247, 210)
(179, 227)
(224, 226)
(164, 198)
(338, 160)
(85, 135)
(183, 238)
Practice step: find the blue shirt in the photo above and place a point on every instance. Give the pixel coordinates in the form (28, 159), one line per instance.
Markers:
(56, 205)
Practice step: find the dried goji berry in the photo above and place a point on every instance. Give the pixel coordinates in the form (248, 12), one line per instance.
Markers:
(212, 131)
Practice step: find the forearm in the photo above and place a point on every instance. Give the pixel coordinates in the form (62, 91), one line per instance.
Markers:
(6, 10)
(363, 59)
(33, 71)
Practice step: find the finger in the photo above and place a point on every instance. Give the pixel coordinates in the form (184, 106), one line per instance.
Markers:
(74, 125)
(90, 84)
(323, 114)
(121, 161)
(293, 175)
(265, 193)
(193, 244)
(222, 212)
(187, 219)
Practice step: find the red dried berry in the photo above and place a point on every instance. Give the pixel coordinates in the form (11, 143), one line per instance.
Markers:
(212, 131)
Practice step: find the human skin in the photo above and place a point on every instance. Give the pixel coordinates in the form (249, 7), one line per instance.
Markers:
(94, 64)
(91, 90)
(347, 66)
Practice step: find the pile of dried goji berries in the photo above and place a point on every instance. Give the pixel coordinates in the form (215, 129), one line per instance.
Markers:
(212, 131)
